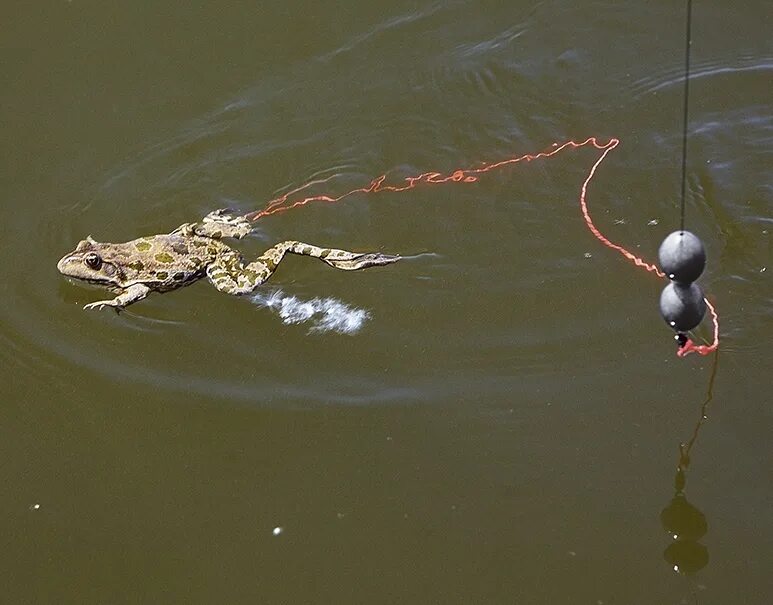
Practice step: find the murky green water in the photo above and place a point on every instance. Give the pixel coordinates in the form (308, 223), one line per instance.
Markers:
(495, 420)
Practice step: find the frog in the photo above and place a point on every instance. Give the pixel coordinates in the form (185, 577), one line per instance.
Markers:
(193, 251)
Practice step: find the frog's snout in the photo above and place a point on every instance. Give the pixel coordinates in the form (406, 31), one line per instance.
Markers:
(60, 266)
(68, 265)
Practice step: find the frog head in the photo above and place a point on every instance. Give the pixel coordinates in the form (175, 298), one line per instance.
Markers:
(93, 262)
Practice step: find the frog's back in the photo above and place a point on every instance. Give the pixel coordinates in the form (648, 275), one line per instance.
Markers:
(174, 260)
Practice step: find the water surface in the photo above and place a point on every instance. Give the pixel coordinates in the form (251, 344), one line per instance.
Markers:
(497, 418)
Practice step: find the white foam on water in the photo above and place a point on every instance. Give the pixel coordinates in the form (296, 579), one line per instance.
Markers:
(324, 314)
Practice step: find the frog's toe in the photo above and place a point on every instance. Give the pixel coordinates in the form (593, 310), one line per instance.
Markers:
(101, 304)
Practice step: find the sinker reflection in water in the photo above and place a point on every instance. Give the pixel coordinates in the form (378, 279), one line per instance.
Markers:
(683, 521)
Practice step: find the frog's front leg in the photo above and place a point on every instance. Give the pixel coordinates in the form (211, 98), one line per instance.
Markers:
(132, 294)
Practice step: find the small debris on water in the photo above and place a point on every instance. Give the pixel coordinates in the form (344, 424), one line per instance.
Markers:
(653, 222)
(763, 270)
(619, 221)
(588, 255)
(35, 507)
(277, 531)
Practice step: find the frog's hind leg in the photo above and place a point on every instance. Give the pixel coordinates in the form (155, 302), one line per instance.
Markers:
(217, 224)
(340, 259)
(223, 223)
(230, 276)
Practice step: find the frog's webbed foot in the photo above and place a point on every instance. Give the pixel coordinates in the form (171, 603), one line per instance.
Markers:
(223, 223)
(352, 261)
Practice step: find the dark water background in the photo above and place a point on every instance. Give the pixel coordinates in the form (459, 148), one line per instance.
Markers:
(501, 423)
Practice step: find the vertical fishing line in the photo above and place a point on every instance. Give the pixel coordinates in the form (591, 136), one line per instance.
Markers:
(688, 44)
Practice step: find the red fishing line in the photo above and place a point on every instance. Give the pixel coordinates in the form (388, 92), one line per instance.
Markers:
(286, 202)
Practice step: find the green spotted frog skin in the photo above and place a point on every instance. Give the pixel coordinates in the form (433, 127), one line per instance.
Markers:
(160, 263)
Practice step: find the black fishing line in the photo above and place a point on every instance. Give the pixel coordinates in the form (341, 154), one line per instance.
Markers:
(688, 44)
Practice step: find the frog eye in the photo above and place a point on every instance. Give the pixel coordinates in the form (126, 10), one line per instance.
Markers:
(92, 260)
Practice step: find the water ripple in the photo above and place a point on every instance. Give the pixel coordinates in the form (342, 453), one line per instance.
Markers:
(383, 27)
(674, 74)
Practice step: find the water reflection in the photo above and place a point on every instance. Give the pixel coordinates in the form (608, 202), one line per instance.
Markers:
(687, 525)
(680, 518)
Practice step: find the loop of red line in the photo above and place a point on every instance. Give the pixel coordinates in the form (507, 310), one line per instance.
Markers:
(691, 347)
(283, 203)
